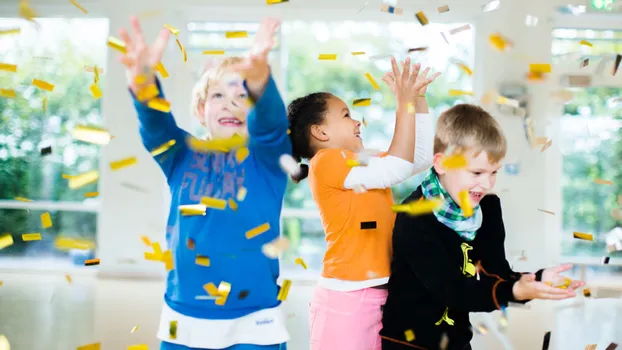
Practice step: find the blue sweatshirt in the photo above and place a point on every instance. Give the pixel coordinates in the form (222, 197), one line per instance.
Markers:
(220, 234)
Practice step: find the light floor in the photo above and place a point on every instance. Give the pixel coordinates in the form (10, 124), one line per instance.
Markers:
(45, 312)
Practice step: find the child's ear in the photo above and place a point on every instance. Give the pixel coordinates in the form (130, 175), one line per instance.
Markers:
(437, 161)
(318, 133)
(199, 113)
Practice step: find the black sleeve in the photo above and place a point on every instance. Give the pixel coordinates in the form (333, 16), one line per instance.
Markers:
(495, 263)
(428, 258)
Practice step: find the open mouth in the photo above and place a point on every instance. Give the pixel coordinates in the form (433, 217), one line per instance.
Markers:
(476, 196)
(358, 134)
(230, 122)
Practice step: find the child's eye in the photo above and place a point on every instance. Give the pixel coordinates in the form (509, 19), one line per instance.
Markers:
(216, 95)
(243, 96)
(347, 115)
(477, 173)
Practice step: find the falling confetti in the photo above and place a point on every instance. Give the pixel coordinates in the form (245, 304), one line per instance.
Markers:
(96, 91)
(443, 9)
(372, 81)
(214, 52)
(8, 93)
(90, 134)
(10, 31)
(327, 56)
(358, 53)
(159, 104)
(163, 148)
(68, 243)
(6, 240)
(289, 165)
(27, 237)
(391, 9)
(134, 329)
(172, 330)
(183, 50)
(459, 29)
(547, 340)
(116, 44)
(91, 262)
(423, 20)
(361, 102)
(46, 220)
(420, 207)
(409, 334)
(583, 236)
(531, 21)
(257, 230)
(454, 162)
(202, 261)
(192, 209)
(491, 6)
(546, 211)
(284, 290)
(236, 35)
(602, 182)
(465, 203)
(83, 179)
(8, 67)
(300, 262)
(74, 3)
(123, 163)
(43, 85)
(161, 69)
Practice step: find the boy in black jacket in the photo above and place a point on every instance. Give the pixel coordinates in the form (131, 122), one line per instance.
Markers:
(452, 262)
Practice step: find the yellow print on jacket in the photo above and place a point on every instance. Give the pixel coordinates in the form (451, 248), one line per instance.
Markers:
(467, 265)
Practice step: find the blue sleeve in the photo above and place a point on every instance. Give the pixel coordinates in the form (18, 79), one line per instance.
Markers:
(156, 129)
(267, 128)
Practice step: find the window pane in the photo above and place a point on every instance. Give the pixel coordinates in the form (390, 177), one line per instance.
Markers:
(57, 53)
(345, 77)
(306, 238)
(81, 225)
(591, 147)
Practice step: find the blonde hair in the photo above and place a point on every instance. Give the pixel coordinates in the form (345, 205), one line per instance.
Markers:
(212, 73)
(469, 127)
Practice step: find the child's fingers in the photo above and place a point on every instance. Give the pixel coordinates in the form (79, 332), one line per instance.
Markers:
(423, 75)
(126, 39)
(158, 47)
(138, 32)
(406, 71)
(562, 268)
(396, 71)
(126, 60)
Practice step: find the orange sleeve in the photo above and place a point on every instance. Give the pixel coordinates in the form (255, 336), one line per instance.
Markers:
(330, 168)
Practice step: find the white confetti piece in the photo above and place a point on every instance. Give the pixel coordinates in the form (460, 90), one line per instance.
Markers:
(289, 165)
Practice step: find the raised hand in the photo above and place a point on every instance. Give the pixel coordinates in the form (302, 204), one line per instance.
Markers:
(422, 81)
(552, 277)
(139, 58)
(528, 288)
(255, 69)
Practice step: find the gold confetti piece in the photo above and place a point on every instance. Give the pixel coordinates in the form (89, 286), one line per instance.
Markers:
(214, 52)
(301, 262)
(460, 29)
(138, 347)
(586, 43)
(46, 220)
(358, 53)
(67, 243)
(587, 293)
(68, 278)
(241, 154)
(540, 68)
(91, 194)
(236, 35)
(26, 11)
(83, 179)
(275, 248)
(91, 134)
(211, 289)
(8, 67)
(22, 199)
(361, 102)
(546, 145)
(116, 44)
(423, 20)
(453, 92)
(498, 41)
(217, 145)
(584, 236)
(8, 93)
(123, 163)
(6, 240)
(94, 69)
(454, 162)
(272, 2)
(91, 262)
(410, 109)
(95, 91)
(418, 207)
(146, 241)
(284, 290)
(409, 334)
(10, 31)
(214, 203)
(327, 56)
(257, 230)
(443, 9)
(167, 258)
(161, 69)
(1, 283)
(352, 163)
(202, 260)
(159, 104)
(372, 81)
(163, 148)
(546, 211)
(192, 209)
(391, 9)
(172, 330)
(602, 182)
(134, 330)
(45, 104)
(233, 205)
(183, 51)
(465, 68)
(364, 122)
(94, 346)
(172, 29)
(241, 194)
(74, 3)
(465, 203)
(502, 100)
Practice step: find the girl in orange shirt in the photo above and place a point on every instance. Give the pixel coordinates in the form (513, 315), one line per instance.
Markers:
(355, 203)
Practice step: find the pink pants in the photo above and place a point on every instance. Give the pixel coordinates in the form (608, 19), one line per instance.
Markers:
(346, 320)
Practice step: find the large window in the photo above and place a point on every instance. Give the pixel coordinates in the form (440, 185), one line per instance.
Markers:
(59, 52)
(590, 144)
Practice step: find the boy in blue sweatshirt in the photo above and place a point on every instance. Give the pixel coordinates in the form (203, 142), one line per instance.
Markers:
(222, 291)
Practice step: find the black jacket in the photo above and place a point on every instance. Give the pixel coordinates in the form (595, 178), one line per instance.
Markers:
(433, 274)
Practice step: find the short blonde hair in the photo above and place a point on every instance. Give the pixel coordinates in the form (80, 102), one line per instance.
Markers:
(212, 73)
(469, 127)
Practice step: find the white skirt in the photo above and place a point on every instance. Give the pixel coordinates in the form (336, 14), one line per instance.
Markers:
(263, 327)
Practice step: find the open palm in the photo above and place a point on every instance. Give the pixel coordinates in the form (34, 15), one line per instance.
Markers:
(421, 84)
(140, 58)
(553, 276)
(255, 66)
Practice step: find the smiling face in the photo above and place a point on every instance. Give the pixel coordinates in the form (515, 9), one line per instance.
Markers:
(478, 177)
(338, 129)
(225, 108)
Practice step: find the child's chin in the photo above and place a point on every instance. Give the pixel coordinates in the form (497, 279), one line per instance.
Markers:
(225, 133)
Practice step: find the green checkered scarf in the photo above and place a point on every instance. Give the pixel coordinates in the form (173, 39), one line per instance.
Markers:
(450, 213)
